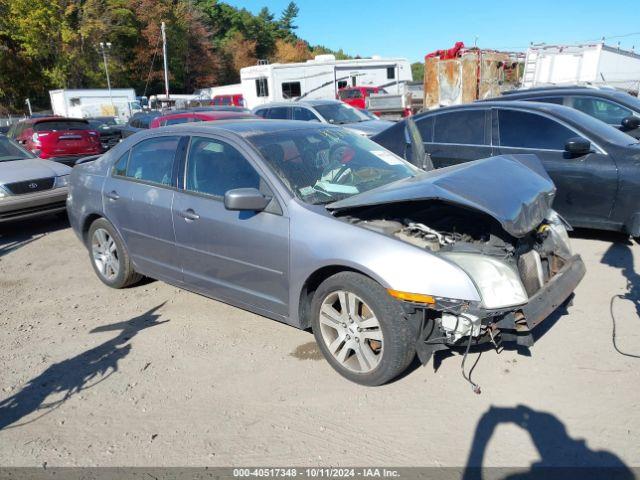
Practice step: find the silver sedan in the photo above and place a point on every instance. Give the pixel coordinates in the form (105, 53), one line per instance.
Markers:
(316, 226)
(29, 186)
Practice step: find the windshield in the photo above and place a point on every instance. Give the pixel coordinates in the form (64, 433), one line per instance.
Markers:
(340, 113)
(9, 151)
(102, 123)
(323, 165)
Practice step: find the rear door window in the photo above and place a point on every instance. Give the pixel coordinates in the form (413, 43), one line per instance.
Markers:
(152, 160)
(528, 130)
(464, 127)
(304, 114)
(278, 113)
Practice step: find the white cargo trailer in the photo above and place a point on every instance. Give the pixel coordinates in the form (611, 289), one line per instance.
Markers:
(595, 64)
(85, 103)
(320, 78)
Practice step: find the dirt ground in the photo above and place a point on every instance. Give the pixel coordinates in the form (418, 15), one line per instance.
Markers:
(157, 376)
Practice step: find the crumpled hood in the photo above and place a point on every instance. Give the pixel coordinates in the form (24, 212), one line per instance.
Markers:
(368, 127)
(513, 189)
(30, 169)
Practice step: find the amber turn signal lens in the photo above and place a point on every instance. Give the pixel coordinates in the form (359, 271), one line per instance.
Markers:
(411, 297)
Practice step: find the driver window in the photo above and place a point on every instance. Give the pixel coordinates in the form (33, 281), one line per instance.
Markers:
(603, 110)
(215, 167)
(528, 130)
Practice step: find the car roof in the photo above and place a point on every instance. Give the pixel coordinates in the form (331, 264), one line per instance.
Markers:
(241, 127)
(551, 108)
(53, 118)
(564, 90)
(304, 103)
(213, 114)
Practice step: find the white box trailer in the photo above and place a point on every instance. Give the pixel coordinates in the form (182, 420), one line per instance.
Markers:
(210, 92)
(85, 103)
(595, 64)
(320, 78)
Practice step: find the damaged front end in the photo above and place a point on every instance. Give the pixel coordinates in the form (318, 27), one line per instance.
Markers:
(520, 280)
(492, 218)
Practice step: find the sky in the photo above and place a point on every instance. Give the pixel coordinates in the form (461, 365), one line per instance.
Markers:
(413, 28)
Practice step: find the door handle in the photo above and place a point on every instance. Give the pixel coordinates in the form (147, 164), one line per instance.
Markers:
(189, 215)
(112, 195)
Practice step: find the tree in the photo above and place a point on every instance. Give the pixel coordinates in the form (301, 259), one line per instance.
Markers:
(286, 26)
(417, 71)
(287, 52)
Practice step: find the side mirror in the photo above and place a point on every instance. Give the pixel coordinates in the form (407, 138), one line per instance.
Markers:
(577, 146)
(630, 123)
(245, 199)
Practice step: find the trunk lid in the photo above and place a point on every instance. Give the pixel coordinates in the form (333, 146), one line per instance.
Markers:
(513, 189)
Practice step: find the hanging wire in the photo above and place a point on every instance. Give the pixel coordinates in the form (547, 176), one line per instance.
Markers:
(155, 53)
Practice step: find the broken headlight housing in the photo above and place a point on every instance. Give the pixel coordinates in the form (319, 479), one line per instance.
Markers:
(499, 285)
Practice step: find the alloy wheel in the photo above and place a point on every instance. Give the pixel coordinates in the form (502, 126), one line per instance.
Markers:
(351, 331)
(105, 254)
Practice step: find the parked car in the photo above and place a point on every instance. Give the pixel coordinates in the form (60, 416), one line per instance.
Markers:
(357, 96)
(109, 130)
(616, 108)
(595, 167)
(29, 186)
(138, 122)
(236, 100)
(61, 139)
(212, 108)
(197, 116)
(316, 226)
(334, 112)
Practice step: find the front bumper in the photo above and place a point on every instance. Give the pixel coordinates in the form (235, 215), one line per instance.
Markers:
(544, 302)
(18, 207)
(512, 325)
(70, 161)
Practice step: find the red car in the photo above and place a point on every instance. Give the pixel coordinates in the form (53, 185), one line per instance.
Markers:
(235, 100)
(187, 117)
(357, 96)
(63, 140)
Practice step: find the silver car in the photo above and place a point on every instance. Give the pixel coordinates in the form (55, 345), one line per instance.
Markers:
(29, 186)
(334, 112)
(316, 226)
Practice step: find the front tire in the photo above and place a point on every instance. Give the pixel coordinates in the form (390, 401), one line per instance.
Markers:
(109, 257)
(361, 330)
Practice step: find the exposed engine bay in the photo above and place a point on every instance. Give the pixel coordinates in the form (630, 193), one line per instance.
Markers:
(508, 271)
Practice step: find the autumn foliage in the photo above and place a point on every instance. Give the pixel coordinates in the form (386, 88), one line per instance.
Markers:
(48, 44)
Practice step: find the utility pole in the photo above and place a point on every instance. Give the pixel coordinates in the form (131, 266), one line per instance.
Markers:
(166, 64)
(28, 102)
(103, 49)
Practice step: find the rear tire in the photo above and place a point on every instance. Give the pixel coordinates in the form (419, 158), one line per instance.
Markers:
(361, 330)
(109, 257)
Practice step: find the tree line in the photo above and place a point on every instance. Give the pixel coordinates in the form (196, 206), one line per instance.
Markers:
(49, 44)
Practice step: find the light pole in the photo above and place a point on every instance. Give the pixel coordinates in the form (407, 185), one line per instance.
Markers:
(103, 48)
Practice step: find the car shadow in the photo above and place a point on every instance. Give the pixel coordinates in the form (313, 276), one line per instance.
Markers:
(14, 235)
(560, 455)
(619, 255)
(73, 375)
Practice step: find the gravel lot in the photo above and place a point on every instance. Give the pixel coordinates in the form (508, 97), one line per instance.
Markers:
(157, 376)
